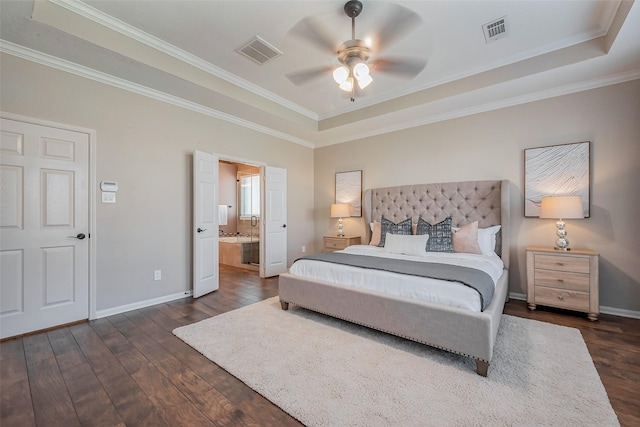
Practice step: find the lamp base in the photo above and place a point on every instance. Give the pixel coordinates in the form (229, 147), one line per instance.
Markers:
(340, 232)
(562, 244)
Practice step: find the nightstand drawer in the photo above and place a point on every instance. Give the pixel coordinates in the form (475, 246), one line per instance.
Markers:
(571, 300)
(562, 280)
(562, 263)
(335, 244)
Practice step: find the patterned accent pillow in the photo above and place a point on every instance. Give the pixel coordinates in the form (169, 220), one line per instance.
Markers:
(440, 239)
(387, 226)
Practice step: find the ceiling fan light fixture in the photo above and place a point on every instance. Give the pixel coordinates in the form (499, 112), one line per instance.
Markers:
(364, 80)
(340, 74)
(360, 70)
(347, 85)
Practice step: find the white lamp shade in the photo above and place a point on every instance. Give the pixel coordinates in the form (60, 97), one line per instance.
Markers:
(561, 207)
(340, 210)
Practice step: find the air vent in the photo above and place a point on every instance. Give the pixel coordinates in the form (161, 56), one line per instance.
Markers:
(495, 30)
(259, 50)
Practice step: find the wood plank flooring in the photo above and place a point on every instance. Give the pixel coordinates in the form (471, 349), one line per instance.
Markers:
(130, 370)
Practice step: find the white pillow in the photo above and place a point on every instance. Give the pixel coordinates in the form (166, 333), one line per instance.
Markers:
(407, 245)
(487, 239)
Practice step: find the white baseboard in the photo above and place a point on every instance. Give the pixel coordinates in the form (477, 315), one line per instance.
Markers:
(517, 296)
(620, 312)
(604, 310)
(140, 304)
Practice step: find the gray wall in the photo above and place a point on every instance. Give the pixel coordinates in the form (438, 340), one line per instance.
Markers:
(491, 146)
(147, 146)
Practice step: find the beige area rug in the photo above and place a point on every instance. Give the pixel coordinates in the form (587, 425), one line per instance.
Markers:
(327, 372)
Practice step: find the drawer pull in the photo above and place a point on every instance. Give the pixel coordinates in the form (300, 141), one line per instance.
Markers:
(561, 297)
(561, 280)
(561, 264)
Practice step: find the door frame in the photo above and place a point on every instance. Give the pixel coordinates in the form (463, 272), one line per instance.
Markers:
(262, 166)
(92, 183)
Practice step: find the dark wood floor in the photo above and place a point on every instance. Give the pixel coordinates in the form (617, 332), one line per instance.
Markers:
(129, 369)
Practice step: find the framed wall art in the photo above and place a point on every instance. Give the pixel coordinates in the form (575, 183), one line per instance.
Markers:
(349, 190)
(557, 170)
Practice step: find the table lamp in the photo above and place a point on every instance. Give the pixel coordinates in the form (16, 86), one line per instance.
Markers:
(339, 210)
(561, 208)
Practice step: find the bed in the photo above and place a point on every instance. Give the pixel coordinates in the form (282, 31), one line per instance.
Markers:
(458, 329)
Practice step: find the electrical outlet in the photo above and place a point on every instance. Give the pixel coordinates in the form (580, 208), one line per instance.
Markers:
(157, 275)
(304, 249)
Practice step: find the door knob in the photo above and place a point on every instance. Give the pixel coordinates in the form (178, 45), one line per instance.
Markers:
(284, 225)
(200, 230)
(78, 236)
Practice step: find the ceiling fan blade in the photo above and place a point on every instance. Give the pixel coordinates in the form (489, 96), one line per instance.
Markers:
(399, 22)
(406, 68)
(305, 76)
(314, 31)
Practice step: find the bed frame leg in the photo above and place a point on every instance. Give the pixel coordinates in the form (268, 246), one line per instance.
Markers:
(284, 305)
(482, 367)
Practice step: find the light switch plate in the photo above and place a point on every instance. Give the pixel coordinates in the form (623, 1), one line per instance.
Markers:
(108, 197)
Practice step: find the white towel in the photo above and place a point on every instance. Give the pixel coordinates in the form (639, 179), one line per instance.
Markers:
(222, 214)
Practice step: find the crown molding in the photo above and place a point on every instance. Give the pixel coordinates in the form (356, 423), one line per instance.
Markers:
(79, 70)
(82, 71)
(490, 106)
(127, 30)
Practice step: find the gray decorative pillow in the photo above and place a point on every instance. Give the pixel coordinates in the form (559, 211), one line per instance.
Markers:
(440, 237)
(402, 228)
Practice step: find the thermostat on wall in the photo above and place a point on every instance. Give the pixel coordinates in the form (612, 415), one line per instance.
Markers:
(109, 186)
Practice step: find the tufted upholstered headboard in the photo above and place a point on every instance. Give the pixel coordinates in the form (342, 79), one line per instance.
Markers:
(484, 201)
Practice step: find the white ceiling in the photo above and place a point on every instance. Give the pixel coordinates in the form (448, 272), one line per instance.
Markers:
(184, 52)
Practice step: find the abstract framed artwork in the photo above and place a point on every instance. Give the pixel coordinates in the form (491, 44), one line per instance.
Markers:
(557, 170)
(349, 190)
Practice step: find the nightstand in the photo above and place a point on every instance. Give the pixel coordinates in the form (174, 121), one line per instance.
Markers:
(563, 279)
(336, 243)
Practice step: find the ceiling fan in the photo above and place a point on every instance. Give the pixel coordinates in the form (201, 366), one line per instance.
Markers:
(354, 55)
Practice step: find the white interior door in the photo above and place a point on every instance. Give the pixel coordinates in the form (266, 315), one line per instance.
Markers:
(205, 223)
(275, 225)
(44, 220)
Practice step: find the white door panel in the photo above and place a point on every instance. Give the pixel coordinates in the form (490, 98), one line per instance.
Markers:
(44, 205)
(275, 258)
(11, 197)
(12, 282)
(205, 223)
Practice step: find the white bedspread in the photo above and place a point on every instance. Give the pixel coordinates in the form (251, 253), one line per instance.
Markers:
(426, 289)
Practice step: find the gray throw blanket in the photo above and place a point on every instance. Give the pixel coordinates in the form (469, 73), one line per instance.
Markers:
(476, 279)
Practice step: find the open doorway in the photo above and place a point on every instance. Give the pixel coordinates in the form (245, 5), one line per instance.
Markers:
(239, 199)
(270, 220)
